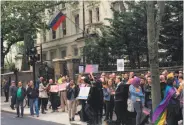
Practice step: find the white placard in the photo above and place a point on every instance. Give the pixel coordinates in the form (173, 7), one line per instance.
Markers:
(84, 92)
(120, 64)
(81, 69)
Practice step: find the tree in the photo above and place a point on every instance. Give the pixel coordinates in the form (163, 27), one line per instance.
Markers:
(153, 33)
(20, 17)
(127, 35)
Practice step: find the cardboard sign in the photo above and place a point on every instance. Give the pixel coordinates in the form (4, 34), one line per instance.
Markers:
(91, 68)
(84, 92)
(54, 88)
(120, 64)
(62, 87)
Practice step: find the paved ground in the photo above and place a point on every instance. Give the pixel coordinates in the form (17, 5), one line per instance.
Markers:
(9, 119)
(60, 117)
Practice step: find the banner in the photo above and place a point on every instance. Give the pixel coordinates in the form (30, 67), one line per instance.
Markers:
(54, 88)
(91, 68)
(120, 65)
(84, 92)
(62, 87)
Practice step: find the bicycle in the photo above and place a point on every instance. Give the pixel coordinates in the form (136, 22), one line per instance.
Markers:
(25, 102)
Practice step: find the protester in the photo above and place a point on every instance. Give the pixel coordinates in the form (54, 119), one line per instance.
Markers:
(125, 80)
(53, 96)
(60, 79)
(176, 74)
(43, 96)
(142, 84)
(109, 92)
(94, 101)
(20, 95)
(32, 93)
(120, 103)
(6, 90)
(13, 90)
(148, 98)
(83, 115)
(72, 93)
(137, 98)
(131, 75)
(41, 80)
(162, 85)
(27, 86)
(63, 97)
(168, 110)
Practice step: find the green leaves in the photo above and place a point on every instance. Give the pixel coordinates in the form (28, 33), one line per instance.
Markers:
(20, 17)
(127, 35)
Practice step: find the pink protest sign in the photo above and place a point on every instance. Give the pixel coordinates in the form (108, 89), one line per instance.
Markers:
(62, 87)
(54, 88)
(91, 68)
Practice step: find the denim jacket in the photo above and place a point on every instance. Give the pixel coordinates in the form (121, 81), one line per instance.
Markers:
(107, 94)
(134, 94)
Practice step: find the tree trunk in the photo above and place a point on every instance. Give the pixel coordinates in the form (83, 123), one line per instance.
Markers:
(2, 55)
(153, 31)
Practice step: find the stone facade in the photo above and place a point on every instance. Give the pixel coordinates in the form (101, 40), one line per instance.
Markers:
(66, 42)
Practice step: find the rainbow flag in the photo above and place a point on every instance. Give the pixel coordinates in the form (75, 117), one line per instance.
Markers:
(57, 20)
(159, 115)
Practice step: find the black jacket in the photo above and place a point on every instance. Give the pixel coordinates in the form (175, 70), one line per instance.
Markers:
(148, 93)
(23, 93)
(69, 91)
(13, 90)
(94, 99)
(32, 93)
(6, 87)
(121, 93)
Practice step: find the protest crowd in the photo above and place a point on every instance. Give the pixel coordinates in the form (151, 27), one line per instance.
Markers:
(124, 96)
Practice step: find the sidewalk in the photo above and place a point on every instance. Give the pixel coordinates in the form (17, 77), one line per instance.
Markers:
(59, 117)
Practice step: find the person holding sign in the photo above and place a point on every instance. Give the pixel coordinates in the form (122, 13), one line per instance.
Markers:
(63, 95)
(83, 115)
(53, 88)
(72, 93)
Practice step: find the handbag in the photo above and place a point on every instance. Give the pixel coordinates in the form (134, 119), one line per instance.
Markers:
(130, 106)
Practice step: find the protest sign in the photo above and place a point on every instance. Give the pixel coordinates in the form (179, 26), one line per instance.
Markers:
(91, 68)
(81, 69)
(120, 64)
(54, 88)
(62, 86)
(84, 92)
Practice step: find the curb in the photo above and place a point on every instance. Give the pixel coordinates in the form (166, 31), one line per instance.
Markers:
(5, 111)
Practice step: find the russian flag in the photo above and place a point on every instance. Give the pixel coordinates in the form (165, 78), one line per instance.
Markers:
(55, 23)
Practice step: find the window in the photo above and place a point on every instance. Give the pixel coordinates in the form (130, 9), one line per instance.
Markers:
(53, 34)
(90, 16)
(64, 27)
(77, 23)
(97, 14)
(63, 54)
(75, 52)
(63, 5)
(53, 55)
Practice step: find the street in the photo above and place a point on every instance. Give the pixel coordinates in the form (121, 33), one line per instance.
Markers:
(9, 119)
